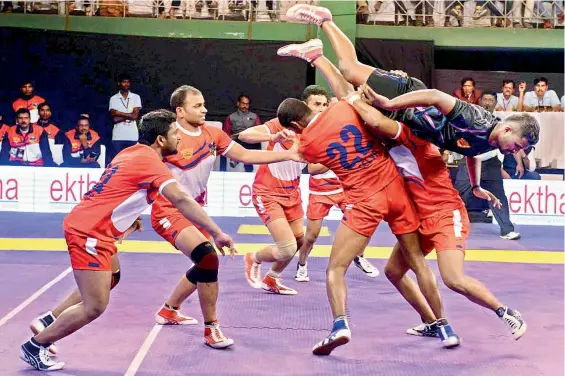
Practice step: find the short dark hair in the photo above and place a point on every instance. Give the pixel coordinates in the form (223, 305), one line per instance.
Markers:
(25, 82)
(314, 90)
(43, 104)
(153, 124)
(465, 79)
(179, 95)
(23, 111)
(504, 82)
(241, 96)
(124, 77)
(488, 92)
(292, 109)
(528, 126)
(84, 117)
(540, 79)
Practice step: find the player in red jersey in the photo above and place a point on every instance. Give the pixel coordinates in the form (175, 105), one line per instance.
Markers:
(129, 184)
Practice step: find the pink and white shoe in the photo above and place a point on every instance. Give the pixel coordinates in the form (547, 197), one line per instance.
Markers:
(304, 13)
(308, 51)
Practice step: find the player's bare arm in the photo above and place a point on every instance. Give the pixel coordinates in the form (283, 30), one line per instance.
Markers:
(241, 154)
(420, 98)
(373, 117)
(260, 133)
(474, 167)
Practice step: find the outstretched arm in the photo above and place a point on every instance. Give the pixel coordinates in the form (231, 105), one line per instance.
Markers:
(419, 98)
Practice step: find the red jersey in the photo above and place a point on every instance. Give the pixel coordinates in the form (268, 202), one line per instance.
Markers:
(3, 130)
(338, 139)
(127, 187)
(425, 173)
(324, 184)
(281, 178)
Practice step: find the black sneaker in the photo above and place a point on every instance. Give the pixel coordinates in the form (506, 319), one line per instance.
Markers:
(40, 323)
(424, 330)
(38, 357)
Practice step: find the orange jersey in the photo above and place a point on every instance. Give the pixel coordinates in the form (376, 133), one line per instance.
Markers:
(192, 165)
(338, 139)
(281, 178)
(425, 173)
(324, 184)
(128, 186)
(30, 104)
(3, 130)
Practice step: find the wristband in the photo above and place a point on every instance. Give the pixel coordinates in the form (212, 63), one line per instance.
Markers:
(353, 98)
(475, 186)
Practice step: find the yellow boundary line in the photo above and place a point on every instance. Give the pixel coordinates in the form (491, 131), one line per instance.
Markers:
(137, 246)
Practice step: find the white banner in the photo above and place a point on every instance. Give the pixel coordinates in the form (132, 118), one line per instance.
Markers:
(536, 202)
(16, 188)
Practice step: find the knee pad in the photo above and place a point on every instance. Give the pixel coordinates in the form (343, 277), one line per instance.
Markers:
(192, 275)
(285, 249)
(115, 279)
(206, 264)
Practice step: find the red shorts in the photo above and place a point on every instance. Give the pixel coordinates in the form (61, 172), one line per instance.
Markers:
(169, 226)
(391, 204)
(270, 208)
(445, 231)
(90, 253)
(319, 206)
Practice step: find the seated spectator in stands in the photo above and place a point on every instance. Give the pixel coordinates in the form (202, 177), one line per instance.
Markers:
(212, 7)
(28, 100)
(540, 99)
(500, 20)
(124, 109)
(526, 171)
(25, 144)
(141, 8)
(81, 147)
(45, 122)
(112, 8)
(81, 8)
(507, 101)
(239, 121)
(3, 129)
(467, 92)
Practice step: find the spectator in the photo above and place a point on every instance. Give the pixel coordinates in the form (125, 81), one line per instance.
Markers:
(112, 8)
(45, 122)
(28, 100)
(467, 92)
(527, 172)
(3, 129)
(124, 109)
(482, 8)
(239, 121)
(540, 99)
(25, 144)
(81, 147)
(507, 101)
(81, 8)
(454, 8)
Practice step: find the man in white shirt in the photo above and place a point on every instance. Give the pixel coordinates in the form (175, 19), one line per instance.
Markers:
(124, 109)
(540, 99)
(507, 101)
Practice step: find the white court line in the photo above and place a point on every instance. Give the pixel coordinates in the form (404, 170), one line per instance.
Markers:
(143, 350)
(36, 295)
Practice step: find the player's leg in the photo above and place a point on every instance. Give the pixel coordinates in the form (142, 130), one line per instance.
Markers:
(313, 228)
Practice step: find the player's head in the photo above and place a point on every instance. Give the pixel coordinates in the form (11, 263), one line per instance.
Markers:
(294, 114)
(158, 130)
(316, 98)
(540, 86)
(516, 132)
(188, 103)
(488, 100)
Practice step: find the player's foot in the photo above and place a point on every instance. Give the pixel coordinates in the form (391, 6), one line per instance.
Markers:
(170, 316)
(339, 336)
(274, 285)
(302, 273)
(511, 236)
(252, 271)
(448, 337)
(424, 330)
(513, 319)
(214, 337)
(366, 267)
(40, 323)
(38, 357)
(304, 13)
(308, 51)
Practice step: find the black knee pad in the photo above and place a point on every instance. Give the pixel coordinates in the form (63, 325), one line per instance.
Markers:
(115, 279)
(192, 275)
(206, 263)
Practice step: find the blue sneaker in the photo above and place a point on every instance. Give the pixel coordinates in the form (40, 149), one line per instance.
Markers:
(424, 330)
(448, 338)
(339, 336)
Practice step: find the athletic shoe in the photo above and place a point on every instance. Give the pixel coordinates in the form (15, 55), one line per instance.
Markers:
(366, 267)
(214, 337)
(448, 338)
(38, 357)
(513, 319)
(274, 285)
(302, 273)
(511, 236)
(304, 13)
(40, 323)
(169, 316)
(339, 336)
(308, 51)
(252, 271)
(424, 330)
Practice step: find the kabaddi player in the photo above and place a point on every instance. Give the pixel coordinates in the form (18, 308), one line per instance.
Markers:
(127, 187)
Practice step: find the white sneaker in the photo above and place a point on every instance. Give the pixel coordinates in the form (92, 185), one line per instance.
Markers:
(39, 324)
(366, 267)
(302, 273)
(304, 13)
(308, 51)
(252, 271)
(511, 236)
(515, 322)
